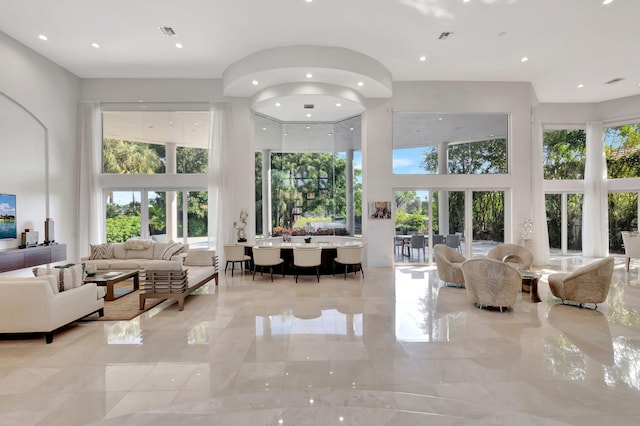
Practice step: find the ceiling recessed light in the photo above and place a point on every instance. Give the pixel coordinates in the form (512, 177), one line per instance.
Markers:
(351, 128)
(605, 2)
(264, 128)
(43, 37)
(171, 122)
(308, 115)
(308, 1)
(95, 45)
(338, 105)
(308, 127)
(286, 134)
(179, 45)
(439, 118)
(254, 82)
(360, 84)
(309, 75)
(580, 86)
(423, 58)
(278, 103)
(466, 1)
(196, 123)
(524, 59)
(329, 134)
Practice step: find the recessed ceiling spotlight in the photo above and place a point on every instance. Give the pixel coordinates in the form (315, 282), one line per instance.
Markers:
(351, 128)
(286, 134)
(95, 45)
(264, 128)
(179, 45)
(308, 1)
(308, 127)
(254, 82)
(278, 104)
(605, 2)
(196, 124)
(329, 134)
(308, 115)
(309, 75)
(423, 58)
(524, 59)
(360, 84)
(439, 118)
(580, 86)
(171, 122)
(43, 37)
(466, 1)
(338, 104)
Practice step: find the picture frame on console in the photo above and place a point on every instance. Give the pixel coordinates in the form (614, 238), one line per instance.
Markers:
(8, 224)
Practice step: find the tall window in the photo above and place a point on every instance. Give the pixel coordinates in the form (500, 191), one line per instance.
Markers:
(313, 168)
(564, 154)
(155, 164)
(472, 143)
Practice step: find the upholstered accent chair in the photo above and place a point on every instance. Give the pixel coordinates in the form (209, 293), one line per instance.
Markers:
(448, 263)
(588, 284)
(631, 241)
(307, 257)
(350, 255)
(491, 283)
(512, 253)
(267, 256)
(234, 253)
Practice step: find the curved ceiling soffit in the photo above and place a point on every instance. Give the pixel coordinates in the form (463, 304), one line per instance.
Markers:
(289, 65)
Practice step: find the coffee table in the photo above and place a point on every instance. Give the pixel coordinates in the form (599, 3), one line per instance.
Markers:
(530, 285)
(109, 279)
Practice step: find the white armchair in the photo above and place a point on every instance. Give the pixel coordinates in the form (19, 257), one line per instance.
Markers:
(34, 305)
(631, 241)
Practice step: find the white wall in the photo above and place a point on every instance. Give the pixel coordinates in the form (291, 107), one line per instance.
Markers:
(50, 93)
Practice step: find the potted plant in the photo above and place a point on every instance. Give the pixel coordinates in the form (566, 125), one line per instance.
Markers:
(307, 240)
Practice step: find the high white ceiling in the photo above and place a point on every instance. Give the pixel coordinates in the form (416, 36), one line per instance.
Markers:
(568, 42)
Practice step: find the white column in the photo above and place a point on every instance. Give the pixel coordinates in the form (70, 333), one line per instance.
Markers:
(350, 199)
(172, 203)
(595, 227)
(266, 192)
(443, 196)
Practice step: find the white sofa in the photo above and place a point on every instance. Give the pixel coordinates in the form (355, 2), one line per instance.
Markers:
(34, 305)
(120, 258)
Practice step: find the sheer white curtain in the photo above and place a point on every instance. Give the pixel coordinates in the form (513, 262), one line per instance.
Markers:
(595, 227)
(538, 208)
(216, 178)
(89, 208)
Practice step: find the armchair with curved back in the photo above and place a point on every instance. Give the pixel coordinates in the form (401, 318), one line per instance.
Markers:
(234, 253)
(491, 283)
(502, 252)
(307, 257)
(267, 256)
(631, 241)
(448, 263)
(350, 255)
(588, 284)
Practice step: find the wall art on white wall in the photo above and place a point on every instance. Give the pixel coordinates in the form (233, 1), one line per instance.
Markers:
(380, 210)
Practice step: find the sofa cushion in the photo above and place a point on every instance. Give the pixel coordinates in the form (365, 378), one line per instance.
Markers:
(171, 250)
(126, 264)
(146, 253)
(200, 258)
(138, 244)
(119, 252)
(158, 249)
(161, 265)
(101, 251)
(68, 277)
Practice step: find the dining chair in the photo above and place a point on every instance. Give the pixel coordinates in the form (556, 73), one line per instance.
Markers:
(266, 256)
(417, 242)
(234, 253)
(350, 255)
(307, 257)
(453, 241)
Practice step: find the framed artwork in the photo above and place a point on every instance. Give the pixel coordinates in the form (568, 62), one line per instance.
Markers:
(380, 210)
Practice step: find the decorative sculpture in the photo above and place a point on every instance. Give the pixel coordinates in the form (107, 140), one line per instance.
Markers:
(241, 224)
(527, 229)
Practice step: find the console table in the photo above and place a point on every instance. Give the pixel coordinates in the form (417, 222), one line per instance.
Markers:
(15, 258)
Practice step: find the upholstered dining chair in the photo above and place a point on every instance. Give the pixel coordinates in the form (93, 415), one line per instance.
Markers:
(307, 257)
(234, 253)
(448, 264)
(503, 252)
(350, 255)
(588, 284)
(491, 283)
(453, 241)
(267, 256)
(417, 243)
(631, 241)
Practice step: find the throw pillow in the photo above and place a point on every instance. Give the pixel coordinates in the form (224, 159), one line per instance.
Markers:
(101, 251)
(137, 244)
(172, 250)
(68, 277)
(200, 258)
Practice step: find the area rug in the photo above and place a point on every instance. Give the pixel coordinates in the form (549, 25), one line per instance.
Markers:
(124, 308)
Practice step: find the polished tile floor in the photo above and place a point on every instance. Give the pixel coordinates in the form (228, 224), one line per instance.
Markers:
(394, 348)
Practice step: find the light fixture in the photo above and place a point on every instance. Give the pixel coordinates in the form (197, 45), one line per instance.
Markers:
(360, 84)
(605, 2)
(264, 128)
(524, 59)
(580, 86)
(254, 82)
(95, 45)
(423, 58)
(179, 45)
(466, 1)
(308, 1)
(308, 115)
(338, 104)
(43, 37)
(439, 118)
(278, 104)
(308, 127)
(351, 128)
(309, 75)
